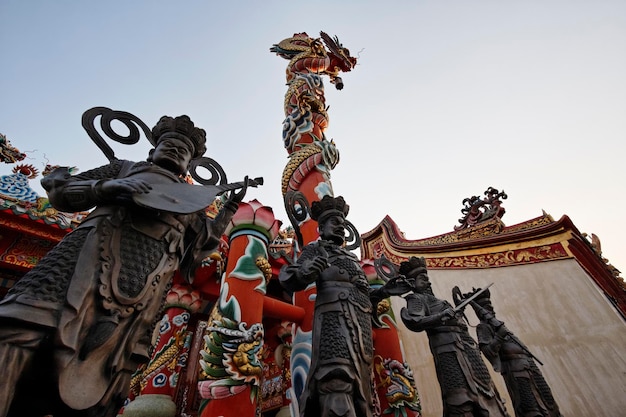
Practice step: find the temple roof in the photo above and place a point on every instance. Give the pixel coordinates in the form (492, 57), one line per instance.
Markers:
(491, 244)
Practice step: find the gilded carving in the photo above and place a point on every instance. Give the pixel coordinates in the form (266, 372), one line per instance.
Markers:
(26, 251)
(504, 258)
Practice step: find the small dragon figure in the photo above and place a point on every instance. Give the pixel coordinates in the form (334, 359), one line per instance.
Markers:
(9, 154)
(230, 358)
(398, 381)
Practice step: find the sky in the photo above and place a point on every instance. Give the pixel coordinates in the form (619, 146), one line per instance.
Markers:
(448, 98)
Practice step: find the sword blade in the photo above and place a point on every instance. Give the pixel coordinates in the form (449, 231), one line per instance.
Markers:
(468, 300)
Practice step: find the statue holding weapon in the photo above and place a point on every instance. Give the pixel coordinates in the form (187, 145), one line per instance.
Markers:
(74, 328)
(466, 386)
(527, 387)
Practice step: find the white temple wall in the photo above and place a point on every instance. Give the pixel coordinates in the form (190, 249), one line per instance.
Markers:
(564, 319)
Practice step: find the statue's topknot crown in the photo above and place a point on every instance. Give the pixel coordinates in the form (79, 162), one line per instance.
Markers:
(329, 206)
(414, 262)
(181, 128)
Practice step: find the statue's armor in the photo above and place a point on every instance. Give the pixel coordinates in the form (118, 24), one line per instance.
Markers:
(447, 340)
(466, 386)
(340, 296)
(49, 280)
(342, 332)
(529, 391)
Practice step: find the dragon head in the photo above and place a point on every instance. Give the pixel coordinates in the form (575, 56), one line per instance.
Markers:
(340, 58)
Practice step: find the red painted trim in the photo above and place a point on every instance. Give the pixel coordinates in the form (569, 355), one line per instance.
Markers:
(28, 226)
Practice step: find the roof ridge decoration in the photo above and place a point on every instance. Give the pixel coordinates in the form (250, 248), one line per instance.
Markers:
(478, 211)
(388, 231)
(17, 196)
(596, 245)
(9, 154)
(16, 185)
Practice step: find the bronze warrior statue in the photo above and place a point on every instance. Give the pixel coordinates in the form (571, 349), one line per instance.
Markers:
(74, 328)
(339, 381)
(529, 391)
(466, 386)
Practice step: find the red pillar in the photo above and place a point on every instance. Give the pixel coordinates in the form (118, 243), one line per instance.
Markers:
(231, 359)
(393, 378)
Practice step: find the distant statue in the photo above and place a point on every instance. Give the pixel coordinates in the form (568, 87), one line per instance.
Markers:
(466, 386)
(74, 328)
(340, 378)
(529, 391)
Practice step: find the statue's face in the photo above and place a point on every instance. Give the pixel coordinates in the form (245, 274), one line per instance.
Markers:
(334, 229)
(172, 154)
(419, 276)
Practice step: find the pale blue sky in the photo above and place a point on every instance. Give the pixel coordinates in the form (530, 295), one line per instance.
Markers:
(449, 97)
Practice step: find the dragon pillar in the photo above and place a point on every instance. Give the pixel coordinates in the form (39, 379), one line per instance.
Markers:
(306, 177)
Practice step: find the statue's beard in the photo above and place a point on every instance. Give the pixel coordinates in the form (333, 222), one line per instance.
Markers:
(337, 239)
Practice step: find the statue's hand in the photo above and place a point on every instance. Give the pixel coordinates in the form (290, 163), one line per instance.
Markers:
(447, 314)
(312, 268)
(397, 286)
(235, 197)
(109, 189)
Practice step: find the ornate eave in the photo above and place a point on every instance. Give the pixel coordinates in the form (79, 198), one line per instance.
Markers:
(27, 233)
(488, 234)
(492, 244)
(47, 223)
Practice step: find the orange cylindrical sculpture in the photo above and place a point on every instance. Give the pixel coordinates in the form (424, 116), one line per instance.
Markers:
(231, 359)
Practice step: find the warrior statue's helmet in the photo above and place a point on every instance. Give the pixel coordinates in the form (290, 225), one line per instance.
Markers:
(327, 207)
(183, 129)
(414, 263)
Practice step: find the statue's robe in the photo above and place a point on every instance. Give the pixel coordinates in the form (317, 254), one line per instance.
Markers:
(91, 304)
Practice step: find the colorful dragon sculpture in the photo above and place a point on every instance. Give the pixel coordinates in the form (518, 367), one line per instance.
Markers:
(231, 358)
(311, 155)
(397, 380)
(309, 55)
